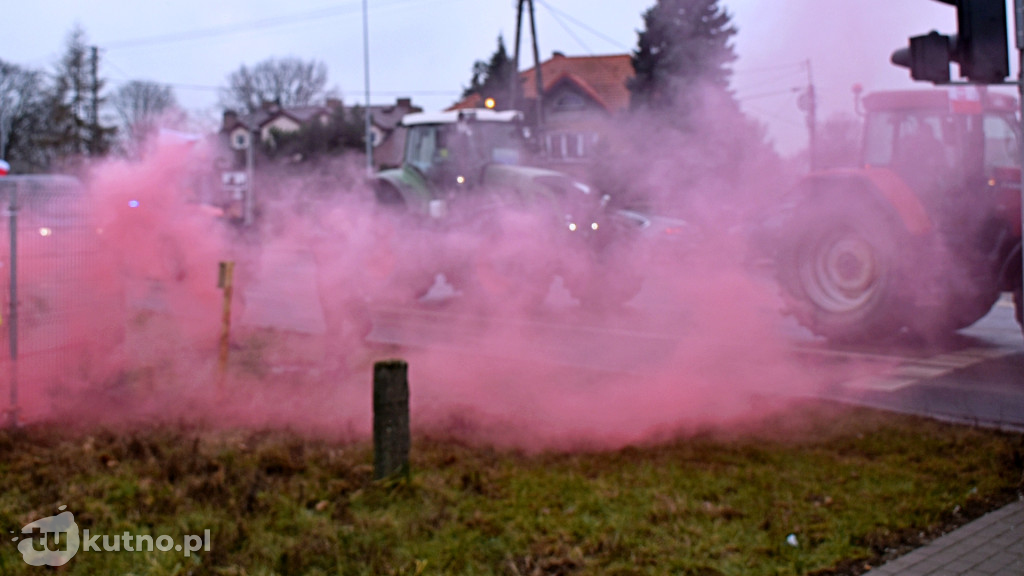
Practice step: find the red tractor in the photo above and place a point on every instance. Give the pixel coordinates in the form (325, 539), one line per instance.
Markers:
(925, 235)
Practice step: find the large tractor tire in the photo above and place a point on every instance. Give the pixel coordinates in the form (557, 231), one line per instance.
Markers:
(963, 306)
(839, 270)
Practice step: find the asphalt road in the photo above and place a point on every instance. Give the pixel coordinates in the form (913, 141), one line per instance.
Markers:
(976, 376)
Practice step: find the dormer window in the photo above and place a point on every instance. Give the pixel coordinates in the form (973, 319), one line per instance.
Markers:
(569, 101)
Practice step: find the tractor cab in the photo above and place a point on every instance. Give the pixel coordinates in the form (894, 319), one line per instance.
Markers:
(938, 141)
(451, 149)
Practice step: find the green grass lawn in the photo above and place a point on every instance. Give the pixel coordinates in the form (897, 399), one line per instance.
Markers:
(847, 483)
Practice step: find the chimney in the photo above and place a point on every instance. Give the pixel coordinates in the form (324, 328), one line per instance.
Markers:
(405, 103)
(334, 103)
(230, 119)
(557, 54)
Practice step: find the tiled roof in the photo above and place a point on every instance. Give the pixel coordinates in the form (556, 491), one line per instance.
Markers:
(603, 78)
(388, 116)
(301, 114)
(385, 116)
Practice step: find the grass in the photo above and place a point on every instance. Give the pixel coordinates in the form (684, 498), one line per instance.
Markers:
(849, 484)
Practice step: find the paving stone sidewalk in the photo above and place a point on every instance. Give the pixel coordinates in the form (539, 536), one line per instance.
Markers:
(991, 545)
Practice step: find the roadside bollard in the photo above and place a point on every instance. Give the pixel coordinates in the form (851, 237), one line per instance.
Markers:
(390, 418)
(225, 281)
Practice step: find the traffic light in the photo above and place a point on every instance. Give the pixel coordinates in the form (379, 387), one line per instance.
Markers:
(927, 57)
(980, 46)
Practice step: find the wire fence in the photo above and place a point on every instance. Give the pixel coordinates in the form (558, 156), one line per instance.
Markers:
(59, 315)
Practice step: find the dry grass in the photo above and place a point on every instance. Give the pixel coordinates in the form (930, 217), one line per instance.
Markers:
(849, 485)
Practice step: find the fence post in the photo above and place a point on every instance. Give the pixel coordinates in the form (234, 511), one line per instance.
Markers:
(12, 315)
(225, 281)
(390, 418)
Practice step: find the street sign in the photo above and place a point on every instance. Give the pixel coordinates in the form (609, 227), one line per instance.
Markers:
(4, 168)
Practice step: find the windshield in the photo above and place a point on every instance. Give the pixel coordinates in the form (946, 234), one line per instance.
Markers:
(446, 152)
(1001, 148)
(897, 139)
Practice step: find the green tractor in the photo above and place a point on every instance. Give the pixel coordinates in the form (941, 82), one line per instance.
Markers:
(468, 206)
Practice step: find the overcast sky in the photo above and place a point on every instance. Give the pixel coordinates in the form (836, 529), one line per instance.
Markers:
(425, 48)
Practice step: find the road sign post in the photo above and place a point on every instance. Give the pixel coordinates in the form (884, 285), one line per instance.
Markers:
(1019, 13)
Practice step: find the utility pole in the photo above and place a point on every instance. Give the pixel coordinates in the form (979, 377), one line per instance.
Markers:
(3, 132)
(538, 76)
(94, 113)
(514, 80)
(366, 85)
(1019, 12)
(249, 202)
(812, 118)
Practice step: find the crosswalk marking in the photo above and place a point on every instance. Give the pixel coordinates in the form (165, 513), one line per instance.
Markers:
(912, 372)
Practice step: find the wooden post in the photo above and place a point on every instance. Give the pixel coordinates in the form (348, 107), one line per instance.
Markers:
(225, 281)
(390, 418)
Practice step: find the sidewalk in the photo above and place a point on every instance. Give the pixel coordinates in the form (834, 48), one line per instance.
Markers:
(991, 545)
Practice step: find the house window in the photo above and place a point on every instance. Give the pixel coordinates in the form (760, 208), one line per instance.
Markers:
(570, 145)
(376, 136)
(569, 101)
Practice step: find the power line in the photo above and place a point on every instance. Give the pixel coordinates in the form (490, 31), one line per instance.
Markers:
(575, 21)
(274, 22)
(227, 29)
(760, 95)
(773, 115)
(567, 29)
(796, 67)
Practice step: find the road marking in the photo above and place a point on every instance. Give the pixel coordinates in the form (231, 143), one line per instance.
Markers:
(915, 371)
(879, 384)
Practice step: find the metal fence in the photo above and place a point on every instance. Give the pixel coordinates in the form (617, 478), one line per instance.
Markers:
(58, 312)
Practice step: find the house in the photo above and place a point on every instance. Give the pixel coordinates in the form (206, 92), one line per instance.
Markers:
(386, 133)
(581, 94)
(387, 136)
(270, 118)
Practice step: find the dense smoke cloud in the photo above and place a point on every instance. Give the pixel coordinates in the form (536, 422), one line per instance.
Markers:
(328, 281)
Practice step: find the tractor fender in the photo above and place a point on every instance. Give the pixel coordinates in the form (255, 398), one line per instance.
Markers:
(401, 188)
(884, 186)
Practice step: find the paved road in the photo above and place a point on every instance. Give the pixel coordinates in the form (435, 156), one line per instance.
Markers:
(974, 377)
(977, 377)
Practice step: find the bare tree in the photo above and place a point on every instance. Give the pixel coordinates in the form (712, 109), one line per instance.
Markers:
(16, 88)
(141, 106)
(288, 82)
(24, 116)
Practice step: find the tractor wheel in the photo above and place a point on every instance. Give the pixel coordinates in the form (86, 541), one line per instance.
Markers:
(839, 271)
(966, 309)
